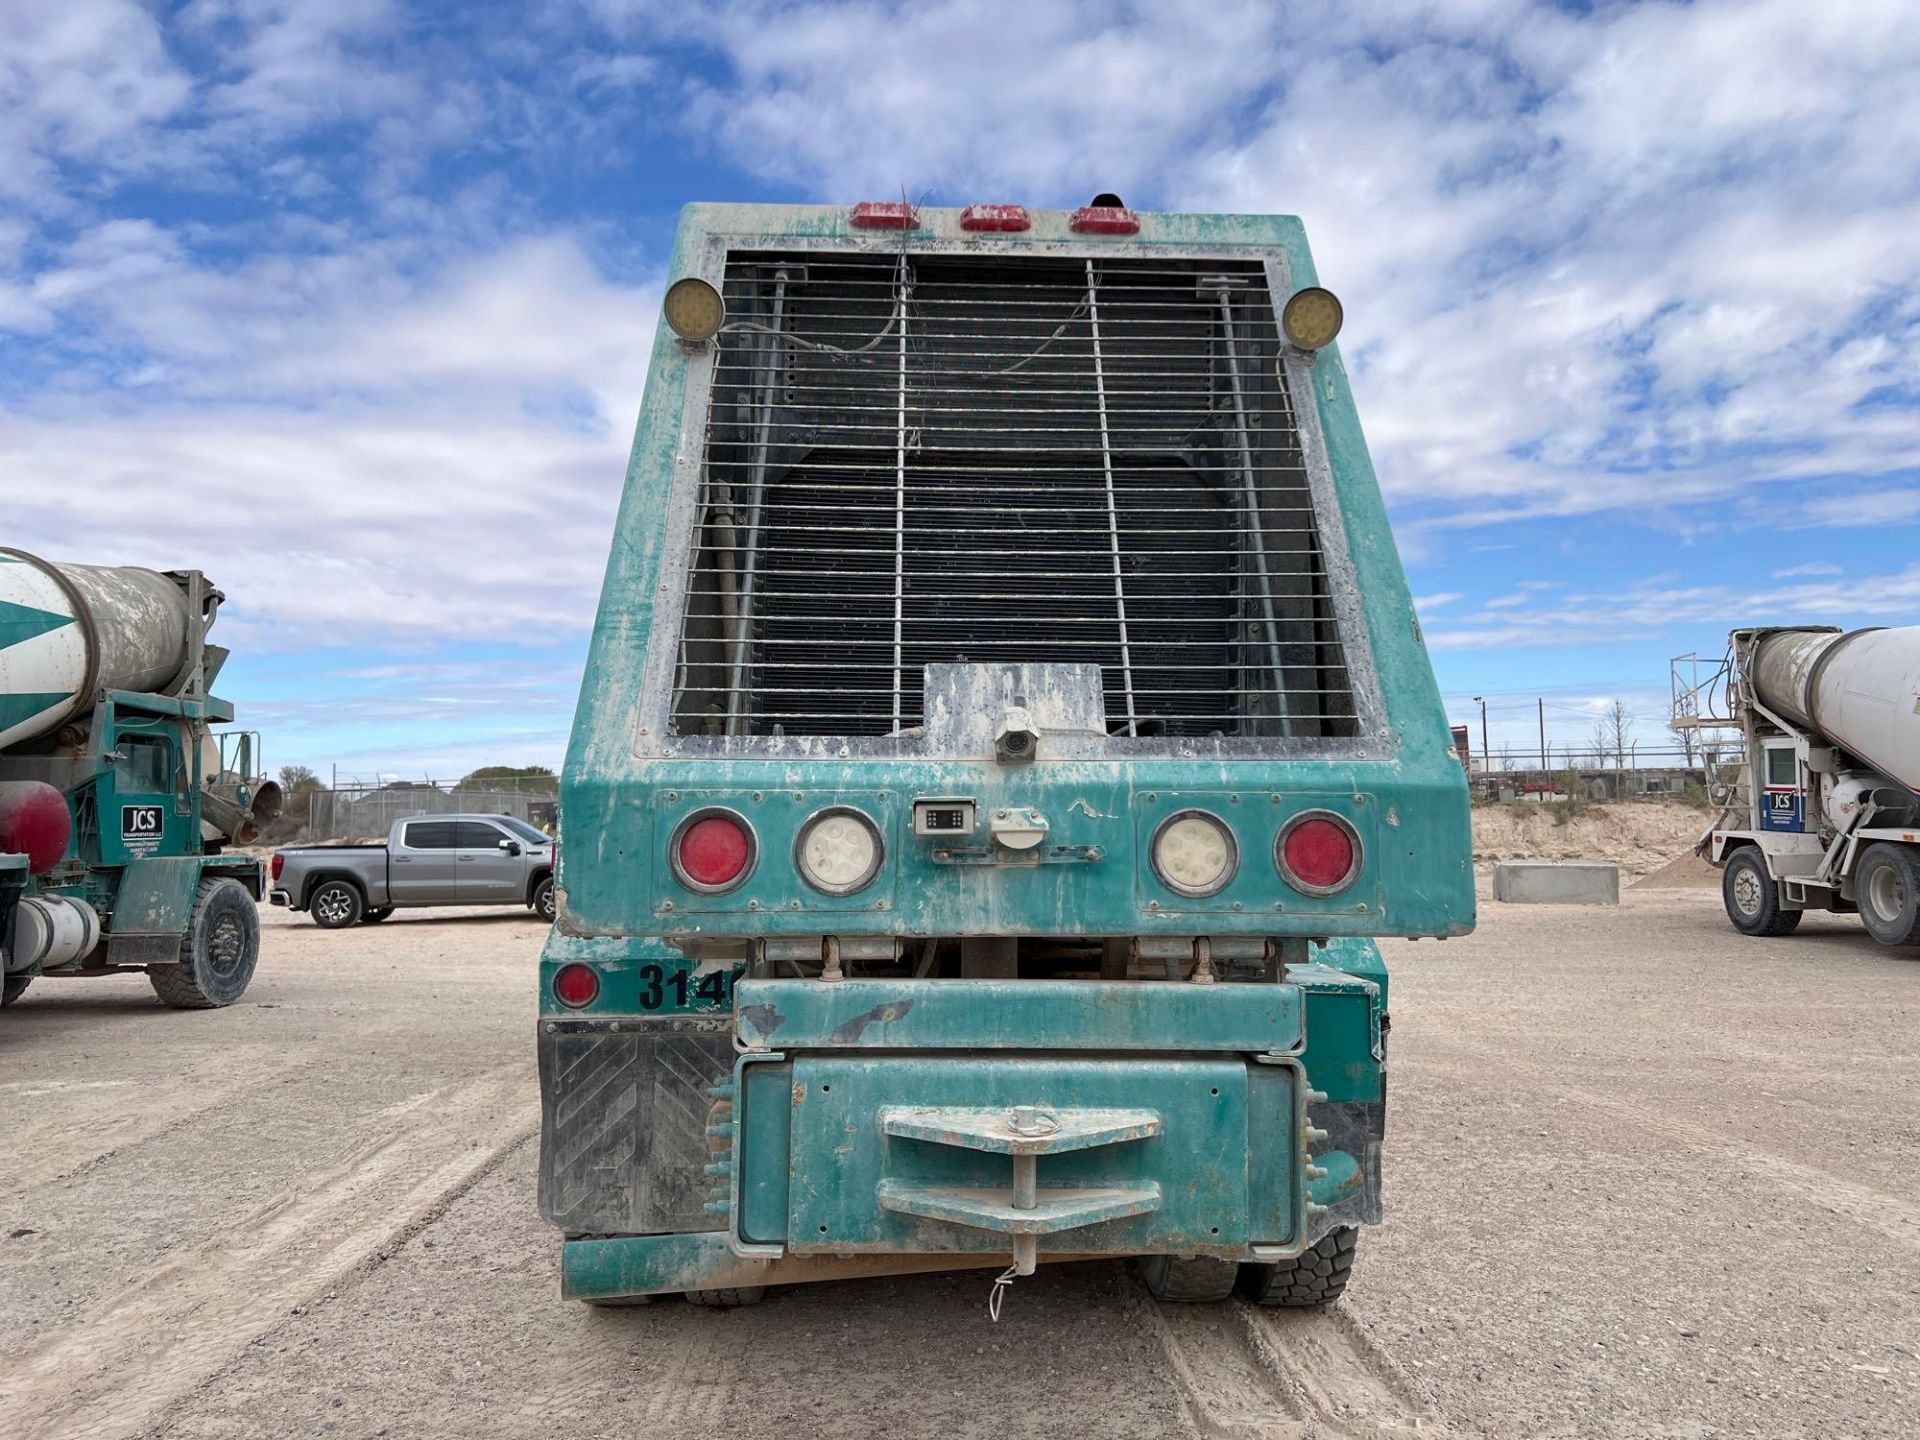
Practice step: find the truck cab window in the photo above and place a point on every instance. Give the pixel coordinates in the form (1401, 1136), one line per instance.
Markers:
(147, 768)
(432, 835)
(477, 835)
(1780, 767)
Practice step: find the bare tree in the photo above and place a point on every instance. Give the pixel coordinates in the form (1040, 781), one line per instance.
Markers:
(1686, 737)
(1612, 734)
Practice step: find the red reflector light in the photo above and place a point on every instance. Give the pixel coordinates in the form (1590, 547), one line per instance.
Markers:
(1319, 853)
(995, 217)
(576, 985)
(712, 852)
(885, 215)
(1105, 220)
(279, 860)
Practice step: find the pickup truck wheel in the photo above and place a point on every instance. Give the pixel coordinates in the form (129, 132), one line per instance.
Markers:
(374, 917)
(543, 900)
(1887, 887)
(1197, 1280)
(335, 905)
(1317, 1276)
(218, 952)
(12, 987)
(1752, 896)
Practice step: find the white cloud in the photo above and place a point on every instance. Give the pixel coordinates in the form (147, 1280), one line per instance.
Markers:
(1600, 262)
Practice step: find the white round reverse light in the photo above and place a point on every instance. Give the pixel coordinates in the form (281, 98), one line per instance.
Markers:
(1194, 853)
(694, 309)
(838, 852)
(1312, 317)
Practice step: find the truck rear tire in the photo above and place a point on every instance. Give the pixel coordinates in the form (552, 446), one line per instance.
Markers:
(336, 905)
(12, 986)
(1887, 888)
(727, 1299)
(1752, 896)
(543, 900)
(1317, 1276)
(1187, 1281)
(375, 916)
(218, 952)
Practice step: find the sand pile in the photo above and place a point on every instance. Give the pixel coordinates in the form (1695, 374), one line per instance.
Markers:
(1638, 837)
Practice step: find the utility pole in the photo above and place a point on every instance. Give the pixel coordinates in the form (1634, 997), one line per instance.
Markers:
(1542, 703)
(1486, 753)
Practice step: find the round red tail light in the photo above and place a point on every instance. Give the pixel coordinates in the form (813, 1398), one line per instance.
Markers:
(712, 851)
(1318, 853)
(576, 985)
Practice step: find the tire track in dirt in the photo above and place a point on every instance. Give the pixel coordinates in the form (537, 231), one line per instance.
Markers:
(110, 1371)
(1866, 1206)
(1249, 1373)
(118, 1114)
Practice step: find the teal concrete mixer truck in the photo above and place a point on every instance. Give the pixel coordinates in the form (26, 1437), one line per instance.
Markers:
(1005, 732)
(118, 801)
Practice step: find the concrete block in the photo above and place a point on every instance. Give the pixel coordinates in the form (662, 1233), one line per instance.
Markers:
(1556, 882)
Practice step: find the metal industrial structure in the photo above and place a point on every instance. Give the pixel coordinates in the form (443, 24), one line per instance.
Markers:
(1005, 730)
(1824, 811)
(116, 799)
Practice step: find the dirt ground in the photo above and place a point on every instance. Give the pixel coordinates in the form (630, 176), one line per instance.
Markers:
(1645, 1178)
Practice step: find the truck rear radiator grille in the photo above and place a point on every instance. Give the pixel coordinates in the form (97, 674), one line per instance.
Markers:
(914, 459)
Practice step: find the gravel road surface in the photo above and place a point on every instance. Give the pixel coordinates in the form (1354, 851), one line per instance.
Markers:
(1645, 1178)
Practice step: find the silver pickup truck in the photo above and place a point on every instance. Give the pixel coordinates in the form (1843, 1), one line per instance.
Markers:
(427, 860)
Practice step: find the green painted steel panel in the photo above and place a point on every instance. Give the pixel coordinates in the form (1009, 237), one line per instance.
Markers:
(1016, 1014)
(763, 1126)
(156, 895)
(1273, 1190)
(840, 1154)
(1418, 880)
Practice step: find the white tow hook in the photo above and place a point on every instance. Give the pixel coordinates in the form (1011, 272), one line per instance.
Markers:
(1029, 1122)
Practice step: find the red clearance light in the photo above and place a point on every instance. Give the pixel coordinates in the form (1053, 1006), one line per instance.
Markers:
(1318, 853)
(1105, 220)
(279, 861)
(712, 851)
(884, 215)
(995, 217)
(575, 985)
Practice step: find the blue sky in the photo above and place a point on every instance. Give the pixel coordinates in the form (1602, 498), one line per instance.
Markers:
(348, 301)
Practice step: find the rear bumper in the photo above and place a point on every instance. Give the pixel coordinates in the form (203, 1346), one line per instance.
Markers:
(277, 896)
(889, 1132)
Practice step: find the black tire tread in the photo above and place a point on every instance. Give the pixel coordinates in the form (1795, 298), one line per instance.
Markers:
(12, 987)
(1774, 921)
(1182, 1280)
(177, 985)
(727, 1299)
(1893, 936)
(1317, 1276)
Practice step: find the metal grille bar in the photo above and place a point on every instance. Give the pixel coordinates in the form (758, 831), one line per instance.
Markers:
(914, 459)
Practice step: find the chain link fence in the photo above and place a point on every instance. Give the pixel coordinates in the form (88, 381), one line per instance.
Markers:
(368, 812)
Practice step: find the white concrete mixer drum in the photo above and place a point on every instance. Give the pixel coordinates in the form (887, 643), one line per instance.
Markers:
(69, 631)
(1860, 690)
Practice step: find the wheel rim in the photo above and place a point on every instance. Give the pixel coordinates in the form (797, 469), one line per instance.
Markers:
(545, 903)
(1887, 893)
(226, 946)
(333, 906)
(1746, 891)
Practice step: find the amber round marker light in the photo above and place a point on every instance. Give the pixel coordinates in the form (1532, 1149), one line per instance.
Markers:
(1312, 317)
(694, 309)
